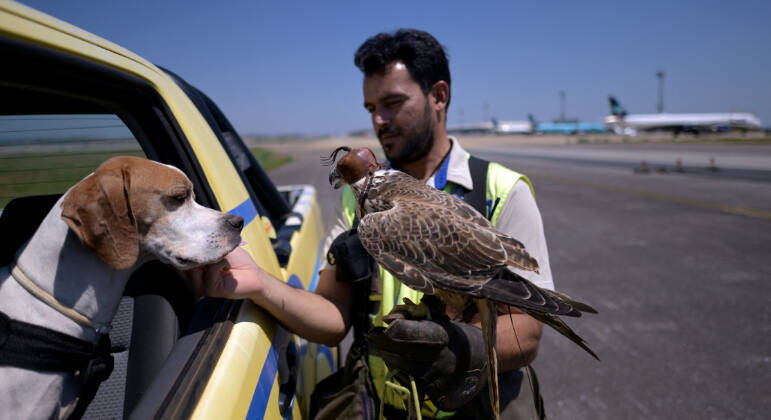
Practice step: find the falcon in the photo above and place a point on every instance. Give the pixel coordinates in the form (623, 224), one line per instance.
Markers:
(439, 245)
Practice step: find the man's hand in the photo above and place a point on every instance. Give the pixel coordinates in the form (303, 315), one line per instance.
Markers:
(236, 276)
(446, 358)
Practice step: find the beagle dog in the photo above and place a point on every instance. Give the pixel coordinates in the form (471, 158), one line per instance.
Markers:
(70, 275)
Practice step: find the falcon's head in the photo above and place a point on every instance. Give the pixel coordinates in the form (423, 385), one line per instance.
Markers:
(355, 165)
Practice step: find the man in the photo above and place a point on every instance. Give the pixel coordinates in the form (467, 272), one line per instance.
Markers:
(407, 91)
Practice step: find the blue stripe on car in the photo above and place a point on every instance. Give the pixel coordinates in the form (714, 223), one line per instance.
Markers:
(295, 282)
(327, 352)
(265, 382)
(245, 210)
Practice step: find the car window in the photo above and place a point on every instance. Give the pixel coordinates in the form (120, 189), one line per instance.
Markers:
(48, 153)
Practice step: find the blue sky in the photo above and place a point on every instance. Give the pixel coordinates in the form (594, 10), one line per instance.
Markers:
(286, 67)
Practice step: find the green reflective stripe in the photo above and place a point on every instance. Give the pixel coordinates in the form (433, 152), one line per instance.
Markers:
(499, 186)
(348, 204)
(393, 293)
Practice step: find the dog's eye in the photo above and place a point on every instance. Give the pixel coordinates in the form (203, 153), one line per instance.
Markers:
(180, 197)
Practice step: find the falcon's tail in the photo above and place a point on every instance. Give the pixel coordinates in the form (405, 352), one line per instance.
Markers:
(488, 314)
(512, 289)
(542, 304)
(562, 328)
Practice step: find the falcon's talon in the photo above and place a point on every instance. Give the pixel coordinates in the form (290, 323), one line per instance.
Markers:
(410, 310)
(393, 316)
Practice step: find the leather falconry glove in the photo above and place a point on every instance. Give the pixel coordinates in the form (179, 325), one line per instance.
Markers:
(447, 359)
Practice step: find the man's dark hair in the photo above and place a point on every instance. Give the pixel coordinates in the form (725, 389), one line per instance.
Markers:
(424, 57)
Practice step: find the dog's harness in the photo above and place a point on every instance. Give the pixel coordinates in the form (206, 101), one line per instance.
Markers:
(33, 347)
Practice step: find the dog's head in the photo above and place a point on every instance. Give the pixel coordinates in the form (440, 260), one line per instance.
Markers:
(131, 207)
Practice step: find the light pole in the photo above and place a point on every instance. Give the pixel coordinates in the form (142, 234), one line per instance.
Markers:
(562, 105)
(660, 76)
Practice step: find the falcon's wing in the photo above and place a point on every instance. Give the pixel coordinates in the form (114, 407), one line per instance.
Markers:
(434, 242)
(456, 225)
(421, 235)
(450, 227)
(430, 236)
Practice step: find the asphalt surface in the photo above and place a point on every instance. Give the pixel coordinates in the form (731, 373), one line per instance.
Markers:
(677, 260)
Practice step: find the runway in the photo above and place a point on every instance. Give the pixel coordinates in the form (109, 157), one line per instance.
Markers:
(677, 264)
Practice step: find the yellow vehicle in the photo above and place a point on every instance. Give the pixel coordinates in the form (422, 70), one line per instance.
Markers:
(70, 100)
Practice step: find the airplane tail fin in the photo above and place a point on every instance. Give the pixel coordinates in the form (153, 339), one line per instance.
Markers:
(531, 118)
(615, 107)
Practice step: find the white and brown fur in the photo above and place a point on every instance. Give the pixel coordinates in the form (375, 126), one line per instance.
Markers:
(129, 211)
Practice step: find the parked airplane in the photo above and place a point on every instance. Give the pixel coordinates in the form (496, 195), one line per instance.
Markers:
(622, 123)
(513, 127)
(567, 127)
(486, 127)
(531, 126)
(492, 127)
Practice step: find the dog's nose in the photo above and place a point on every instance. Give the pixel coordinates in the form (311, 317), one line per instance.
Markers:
(236, 221)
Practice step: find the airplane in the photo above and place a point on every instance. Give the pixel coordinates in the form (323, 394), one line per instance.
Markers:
(492, 127)
(531, 126)
(513, 127)
(566, 127)
(623, 123)
(485, 127)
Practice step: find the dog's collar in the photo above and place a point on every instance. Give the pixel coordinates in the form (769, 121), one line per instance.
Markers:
(51, 301)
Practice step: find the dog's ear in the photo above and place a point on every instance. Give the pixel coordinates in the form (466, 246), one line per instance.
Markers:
(99, 212)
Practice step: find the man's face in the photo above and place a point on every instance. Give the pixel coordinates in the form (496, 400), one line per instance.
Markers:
(401, 114)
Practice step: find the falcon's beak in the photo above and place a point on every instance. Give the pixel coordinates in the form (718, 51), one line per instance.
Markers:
(335, 180)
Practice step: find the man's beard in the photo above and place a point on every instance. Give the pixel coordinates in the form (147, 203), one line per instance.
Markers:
(416, 143)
